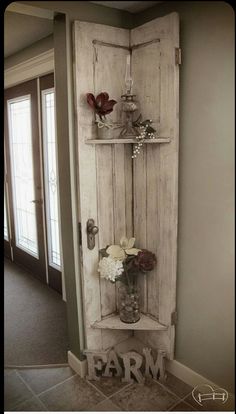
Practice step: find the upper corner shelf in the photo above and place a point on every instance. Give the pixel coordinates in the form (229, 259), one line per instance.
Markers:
(126, 141)
(146, 323)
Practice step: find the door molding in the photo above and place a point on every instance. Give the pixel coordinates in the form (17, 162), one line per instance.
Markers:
(29, 69)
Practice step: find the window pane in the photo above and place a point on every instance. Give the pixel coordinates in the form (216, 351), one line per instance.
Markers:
(50, 169)
(5, 220)
(20, 134)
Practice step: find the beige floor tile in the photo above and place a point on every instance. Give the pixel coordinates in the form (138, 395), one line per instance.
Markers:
(30, 405)
(106, 405)
(109, 386)
(75, 394)
(144, 397)
(182, 406)
(178, 387)
(42, 379)
(15, 391)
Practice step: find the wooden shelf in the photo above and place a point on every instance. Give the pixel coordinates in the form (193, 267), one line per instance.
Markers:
(126, 141)
(146, 323)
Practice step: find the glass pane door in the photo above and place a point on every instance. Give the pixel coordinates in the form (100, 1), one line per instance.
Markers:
(22, 175)
(24, 184)
(6, 237)
(50, 176)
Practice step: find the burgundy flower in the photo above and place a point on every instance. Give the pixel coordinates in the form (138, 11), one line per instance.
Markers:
(145, 260)
(101, 104)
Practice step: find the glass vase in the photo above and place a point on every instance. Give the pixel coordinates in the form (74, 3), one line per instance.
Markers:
(129, 307)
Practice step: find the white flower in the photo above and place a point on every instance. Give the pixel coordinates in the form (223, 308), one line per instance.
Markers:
(119, 252)
(110, 269)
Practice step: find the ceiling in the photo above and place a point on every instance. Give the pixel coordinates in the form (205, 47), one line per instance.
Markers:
(21, 31)
(130, 6)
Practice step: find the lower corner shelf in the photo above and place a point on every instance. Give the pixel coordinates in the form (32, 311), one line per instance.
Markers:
(145, 323)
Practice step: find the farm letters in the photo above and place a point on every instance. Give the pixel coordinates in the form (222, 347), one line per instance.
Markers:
(107, 362)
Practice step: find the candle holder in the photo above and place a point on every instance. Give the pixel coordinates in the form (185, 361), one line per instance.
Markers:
(129, 106)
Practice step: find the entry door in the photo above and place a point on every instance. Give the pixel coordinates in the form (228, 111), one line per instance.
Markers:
(24, 177)
(31, 180)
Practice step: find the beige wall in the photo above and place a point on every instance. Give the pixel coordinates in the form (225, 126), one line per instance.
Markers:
(205, 299)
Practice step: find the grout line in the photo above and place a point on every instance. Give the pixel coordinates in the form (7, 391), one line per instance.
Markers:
(32, 391)
(166, 388)
(29, 399)
(92, 385)
(183, 400)
(117, 392)
(59, 383)
(110, 396)
(107, 399)
(170, 391)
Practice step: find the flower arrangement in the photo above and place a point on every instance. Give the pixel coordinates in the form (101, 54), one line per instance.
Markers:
(146, 132)
(123, 262)
(102, 106)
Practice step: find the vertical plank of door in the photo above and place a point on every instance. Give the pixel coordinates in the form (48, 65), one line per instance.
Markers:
(128, 167)
(83, 65)
(140, 214)
(153, 225)
(147, 91)
(104, 171)
(122, 193)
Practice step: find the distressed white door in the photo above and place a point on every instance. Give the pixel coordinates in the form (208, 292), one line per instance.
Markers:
(125, 196)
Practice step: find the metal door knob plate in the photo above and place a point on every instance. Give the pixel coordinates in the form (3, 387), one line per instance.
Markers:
(92, 230)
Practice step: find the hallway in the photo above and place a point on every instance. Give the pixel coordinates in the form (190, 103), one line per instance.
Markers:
(35, 324)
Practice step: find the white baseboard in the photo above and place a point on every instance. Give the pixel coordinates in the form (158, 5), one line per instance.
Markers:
(80, 367)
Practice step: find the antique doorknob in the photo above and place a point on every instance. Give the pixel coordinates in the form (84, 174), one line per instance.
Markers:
(92, 230)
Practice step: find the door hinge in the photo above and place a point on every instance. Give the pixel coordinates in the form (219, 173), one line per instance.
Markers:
(80, 234)
(174, 318)
(178, 59)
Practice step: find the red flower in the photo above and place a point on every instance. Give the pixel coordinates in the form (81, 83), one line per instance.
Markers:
(145, 261)
(101, 104)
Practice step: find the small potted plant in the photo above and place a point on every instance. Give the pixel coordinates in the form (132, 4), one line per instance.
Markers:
(103, 106)
(124, 263)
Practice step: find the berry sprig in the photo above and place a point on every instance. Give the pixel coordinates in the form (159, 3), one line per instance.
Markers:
(146, 132)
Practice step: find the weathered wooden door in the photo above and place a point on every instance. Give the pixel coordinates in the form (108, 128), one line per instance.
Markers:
(125, 196)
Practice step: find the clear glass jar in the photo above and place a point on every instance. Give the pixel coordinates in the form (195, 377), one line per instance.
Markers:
(129, 307)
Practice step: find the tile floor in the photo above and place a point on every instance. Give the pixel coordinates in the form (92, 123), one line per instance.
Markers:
(60, 389)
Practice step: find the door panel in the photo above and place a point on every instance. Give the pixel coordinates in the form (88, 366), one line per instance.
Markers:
(24, 183)
(125, 196)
